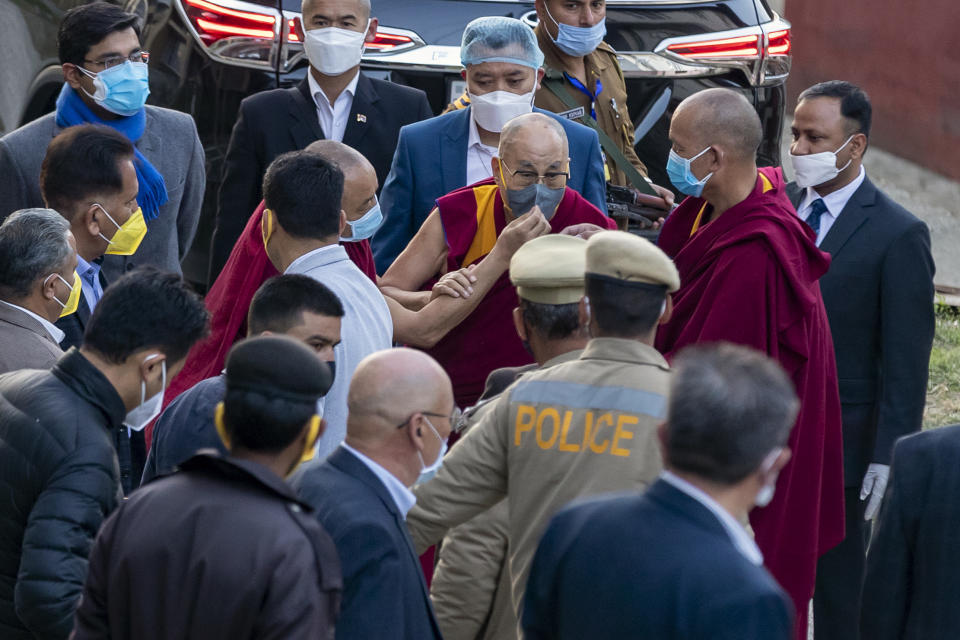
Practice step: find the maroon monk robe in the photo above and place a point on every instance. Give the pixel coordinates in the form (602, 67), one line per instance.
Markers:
(229, 300)
(751, 277)
(472, 219)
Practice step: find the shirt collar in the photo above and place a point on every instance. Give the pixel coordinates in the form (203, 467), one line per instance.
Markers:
(318, 258)
(837, 200)
(402, 496)
(737, 532)
(87, 269)
(316, 91)
(55, 333)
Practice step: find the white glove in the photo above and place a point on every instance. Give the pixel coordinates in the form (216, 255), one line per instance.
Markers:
(874, 484)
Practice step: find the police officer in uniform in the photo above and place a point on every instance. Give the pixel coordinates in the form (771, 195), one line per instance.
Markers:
(584, 83)
(574, 429)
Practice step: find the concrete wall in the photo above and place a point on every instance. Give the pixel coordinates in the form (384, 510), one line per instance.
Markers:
(904, 54)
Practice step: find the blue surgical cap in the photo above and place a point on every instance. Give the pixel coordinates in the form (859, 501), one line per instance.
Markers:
(499, 39)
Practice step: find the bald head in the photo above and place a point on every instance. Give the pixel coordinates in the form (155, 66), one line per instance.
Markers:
(359, 177)
(533, 131)
(359, 8)
(720, 117)
(389, 386)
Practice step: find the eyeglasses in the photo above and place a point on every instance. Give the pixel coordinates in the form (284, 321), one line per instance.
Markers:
(552, 179)
(455, 418)
(112, 61)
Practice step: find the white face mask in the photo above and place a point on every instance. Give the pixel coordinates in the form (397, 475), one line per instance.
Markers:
(816, 168)
(428, 471)
(332, 50)
(493, 110)
(141, 415)
(765, 495)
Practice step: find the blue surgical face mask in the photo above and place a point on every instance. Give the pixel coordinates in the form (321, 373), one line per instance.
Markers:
(366, 225)
(678, 169)
(427, 472)
(122, 89)
(578, 41)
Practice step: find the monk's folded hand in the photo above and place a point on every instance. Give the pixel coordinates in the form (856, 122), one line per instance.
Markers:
(456, 284)
(583, 230)
(518, 232)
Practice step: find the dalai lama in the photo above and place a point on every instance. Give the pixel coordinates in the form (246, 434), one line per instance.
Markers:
(528, 188)
(748, 270)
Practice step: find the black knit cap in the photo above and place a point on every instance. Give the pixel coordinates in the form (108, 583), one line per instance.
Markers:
(278, 366)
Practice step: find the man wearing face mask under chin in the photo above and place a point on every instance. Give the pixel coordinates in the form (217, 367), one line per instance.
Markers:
(528, 196)
(335, 101)
(154, 573)
(106, 75)
(60, 438)
(401, 412)
(502, 69)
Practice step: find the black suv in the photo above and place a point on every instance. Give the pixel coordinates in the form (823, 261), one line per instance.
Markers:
(207, 55)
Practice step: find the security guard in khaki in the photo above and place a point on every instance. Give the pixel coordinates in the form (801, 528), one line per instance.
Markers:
(599, 89)
(576, 429)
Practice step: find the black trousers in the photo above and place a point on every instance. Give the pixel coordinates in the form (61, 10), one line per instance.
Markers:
(836, 598)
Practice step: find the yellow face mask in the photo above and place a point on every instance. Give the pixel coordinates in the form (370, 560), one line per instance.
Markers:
(313, 432)
(73, 300)
(266, 226)
(129, 235)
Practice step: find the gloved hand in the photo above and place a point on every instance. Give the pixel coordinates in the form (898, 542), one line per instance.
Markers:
(874, 485)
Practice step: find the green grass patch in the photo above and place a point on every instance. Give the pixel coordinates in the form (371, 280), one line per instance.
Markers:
(943, 389)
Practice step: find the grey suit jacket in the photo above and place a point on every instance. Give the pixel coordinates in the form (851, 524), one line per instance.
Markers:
(24, 342)
(169, 142)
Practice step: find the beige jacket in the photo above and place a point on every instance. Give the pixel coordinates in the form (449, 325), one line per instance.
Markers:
(576, 429)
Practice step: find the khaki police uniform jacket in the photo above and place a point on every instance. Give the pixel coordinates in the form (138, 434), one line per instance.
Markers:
(613, 117)
(576, 429)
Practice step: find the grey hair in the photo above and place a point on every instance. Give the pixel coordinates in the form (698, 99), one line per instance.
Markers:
(729, 407)
(33, 244)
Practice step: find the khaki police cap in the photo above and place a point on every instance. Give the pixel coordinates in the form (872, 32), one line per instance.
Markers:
(623, 256)
(549, 269)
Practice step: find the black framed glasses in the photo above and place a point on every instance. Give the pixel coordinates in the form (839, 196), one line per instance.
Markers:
(113, 61)
(551, 179)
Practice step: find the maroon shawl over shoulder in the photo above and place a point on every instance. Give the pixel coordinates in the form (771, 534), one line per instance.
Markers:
(751, 277)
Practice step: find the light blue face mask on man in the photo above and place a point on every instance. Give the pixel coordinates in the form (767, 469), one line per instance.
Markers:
(366, 225)
(122, 89)
(578, 41)
(678, 170)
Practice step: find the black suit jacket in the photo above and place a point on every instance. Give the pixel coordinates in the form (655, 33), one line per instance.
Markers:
(384, 593)
(912, 584)
(658, 565)
(879, 299)
(280, 120)
(75, 324)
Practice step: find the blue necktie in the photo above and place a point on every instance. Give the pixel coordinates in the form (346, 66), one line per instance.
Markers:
(817, 209)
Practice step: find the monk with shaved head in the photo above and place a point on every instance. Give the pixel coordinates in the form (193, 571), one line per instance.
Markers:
(401, 413)
(749, 271)
(480, 224)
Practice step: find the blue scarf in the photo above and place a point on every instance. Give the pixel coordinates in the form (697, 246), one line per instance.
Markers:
(72, 110)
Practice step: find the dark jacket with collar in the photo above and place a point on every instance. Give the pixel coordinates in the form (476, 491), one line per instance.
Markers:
(912, 585)
(879, 299)
(658, 565)
(431, 161)
(384, 592)
(222, 549)
(274, 122)
(171, 144)
(24, 342)
(60, 479)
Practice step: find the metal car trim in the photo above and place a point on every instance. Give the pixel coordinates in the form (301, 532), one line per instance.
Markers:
(749, 66)
(212, 50)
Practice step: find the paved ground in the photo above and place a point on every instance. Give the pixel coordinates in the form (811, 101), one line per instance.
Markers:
(928, 195)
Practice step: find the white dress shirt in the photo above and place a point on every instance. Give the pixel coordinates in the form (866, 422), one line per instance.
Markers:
(478, 156)
(402, 496)
(738, 534)
(835, 203)
(333, 117)
(51, 328)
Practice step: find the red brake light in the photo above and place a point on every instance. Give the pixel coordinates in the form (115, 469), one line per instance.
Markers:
(779, 43)
(735, 47)
(214, 22)
(387, 42)
(294, 30)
